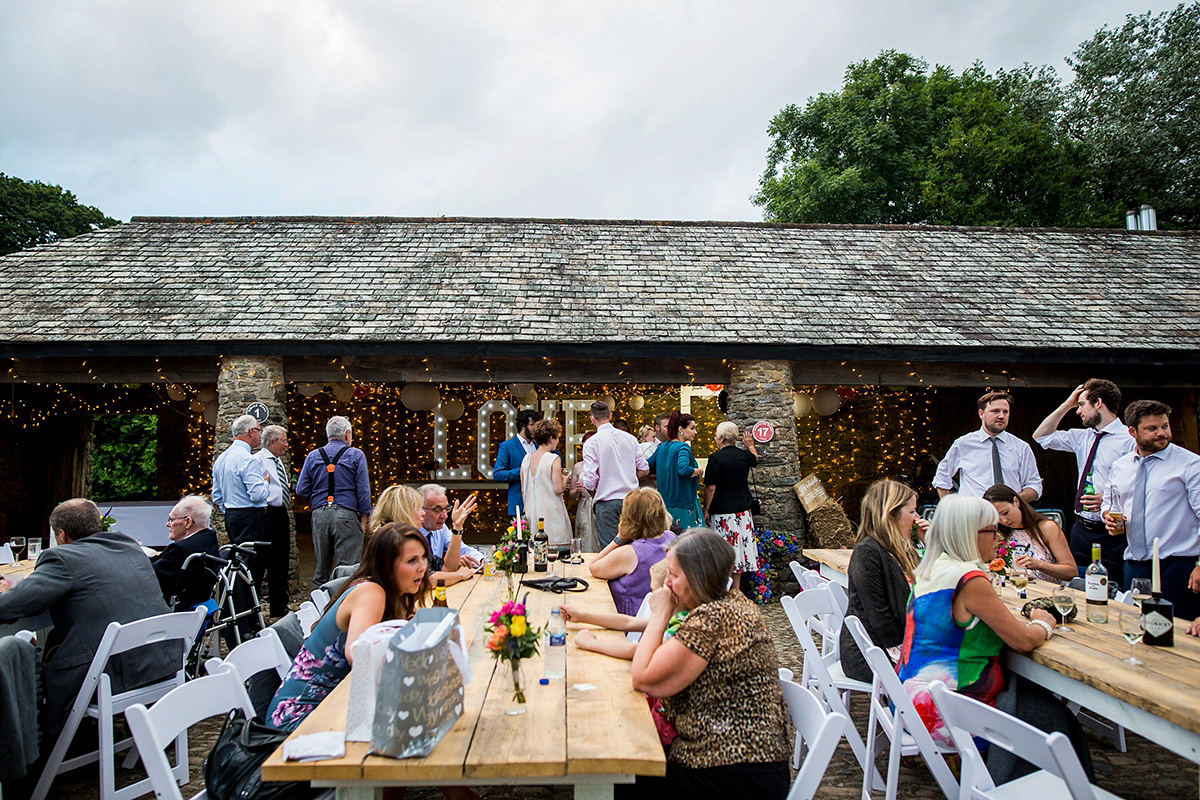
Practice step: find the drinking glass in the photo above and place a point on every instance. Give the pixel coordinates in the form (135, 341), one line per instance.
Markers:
(552, 557)
(564, 557)
(35, 549)
(1020, 577)
(577, 550)
(1141, 590)
(1063, 603)
(1131, 629)
(18, 546)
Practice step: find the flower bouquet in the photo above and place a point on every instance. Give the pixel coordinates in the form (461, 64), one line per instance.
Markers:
(509, 555)
(1001, 565)
(512, 639)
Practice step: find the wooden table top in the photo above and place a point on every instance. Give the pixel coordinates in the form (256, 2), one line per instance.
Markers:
(565, 731)
(1168, 685)
(19, 569)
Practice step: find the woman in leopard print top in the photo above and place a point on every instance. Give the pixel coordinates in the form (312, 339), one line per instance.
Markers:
(719, 677)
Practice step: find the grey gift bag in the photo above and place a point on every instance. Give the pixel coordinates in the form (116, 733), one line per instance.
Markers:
(420, 694)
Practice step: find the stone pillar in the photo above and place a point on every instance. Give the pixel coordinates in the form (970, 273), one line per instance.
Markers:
(254, 379)
(762, 390)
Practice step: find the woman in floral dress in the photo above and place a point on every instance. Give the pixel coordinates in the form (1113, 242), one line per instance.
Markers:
(727, 497)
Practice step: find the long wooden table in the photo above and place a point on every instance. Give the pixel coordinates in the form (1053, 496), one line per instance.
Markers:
(1158, 700)
(591, 738)
(18, 571)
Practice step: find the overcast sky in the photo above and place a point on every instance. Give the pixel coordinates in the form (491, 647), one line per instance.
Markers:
(653, 109)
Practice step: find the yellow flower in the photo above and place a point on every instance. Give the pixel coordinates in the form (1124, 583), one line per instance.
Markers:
(517, 626)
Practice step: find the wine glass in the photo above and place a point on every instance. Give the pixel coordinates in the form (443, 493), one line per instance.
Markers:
(1141, 590)
(18, 546)
(1063, 603)
(564, 557)
(1020, 577)
(1131, 629)
(552, 556)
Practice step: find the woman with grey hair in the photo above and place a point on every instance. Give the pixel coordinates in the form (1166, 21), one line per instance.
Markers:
(727, 497)
(719, 680)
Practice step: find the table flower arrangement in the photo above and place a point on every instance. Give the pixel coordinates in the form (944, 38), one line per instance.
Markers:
(512, 639)
(1002, 564)
(509, 555)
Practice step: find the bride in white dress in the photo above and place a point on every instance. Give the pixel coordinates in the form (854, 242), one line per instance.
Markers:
(543, 484)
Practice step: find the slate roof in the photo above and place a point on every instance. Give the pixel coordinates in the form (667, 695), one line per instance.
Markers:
(476, 281)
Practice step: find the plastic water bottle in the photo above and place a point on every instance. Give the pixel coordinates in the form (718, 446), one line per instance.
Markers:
(555, 664)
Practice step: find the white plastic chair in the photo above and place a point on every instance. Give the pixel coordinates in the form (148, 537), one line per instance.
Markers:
(320, 599)
(817, 729)
(308, 615)
(28, 637)
(254, 656)
(893, 713)
(1060, 774)
(799, 610)
(643, 612)
(827, 607)
(154, 728)
(96, 699)
(807, 578)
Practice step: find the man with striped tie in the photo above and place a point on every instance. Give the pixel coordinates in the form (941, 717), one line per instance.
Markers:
(990, 455)
(278, 527)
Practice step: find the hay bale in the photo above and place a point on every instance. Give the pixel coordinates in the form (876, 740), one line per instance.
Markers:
(830, 527)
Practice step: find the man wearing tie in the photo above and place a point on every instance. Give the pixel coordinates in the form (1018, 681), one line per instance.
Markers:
(990, 455)
(1101, 441)
(1159, 486)
(278, 528)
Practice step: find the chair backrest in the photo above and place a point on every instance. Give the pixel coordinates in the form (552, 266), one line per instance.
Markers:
(254, 656)
(900, 716)
(802, 610)
(156, 727)
(817, 727)
(643, 612)
(320, 599)
(308, 615)
(967, 717)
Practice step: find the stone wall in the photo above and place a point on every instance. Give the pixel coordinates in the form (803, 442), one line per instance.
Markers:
(762, 390)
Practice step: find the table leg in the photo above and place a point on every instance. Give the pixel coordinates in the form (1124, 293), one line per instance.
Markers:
(359, 793)
(593, 791)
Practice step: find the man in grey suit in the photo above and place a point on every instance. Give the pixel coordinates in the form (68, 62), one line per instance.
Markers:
(95, 577)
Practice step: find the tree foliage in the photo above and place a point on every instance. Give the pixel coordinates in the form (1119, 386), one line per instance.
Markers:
(124, 460)
(32, 213)
(1135, 103)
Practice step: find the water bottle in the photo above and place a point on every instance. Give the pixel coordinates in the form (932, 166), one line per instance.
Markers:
(555, 664)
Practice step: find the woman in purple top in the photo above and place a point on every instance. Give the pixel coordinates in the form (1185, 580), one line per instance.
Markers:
(641, 543)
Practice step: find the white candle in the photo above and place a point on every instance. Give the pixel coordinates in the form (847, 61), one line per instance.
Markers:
(1154, 584)
(520, 534)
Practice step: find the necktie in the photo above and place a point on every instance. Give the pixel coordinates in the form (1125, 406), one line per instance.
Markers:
(997, 471)
(1139, 491)
(283, 480)
(1087, 467)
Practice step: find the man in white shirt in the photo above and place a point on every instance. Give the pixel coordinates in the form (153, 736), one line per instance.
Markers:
(990, 455)
(435, 511)
(276, 561)
(1158, 486)
(1102, 440)
(612, 465)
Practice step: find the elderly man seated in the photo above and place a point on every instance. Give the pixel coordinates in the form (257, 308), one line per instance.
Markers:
(95, 577)
(188, 530)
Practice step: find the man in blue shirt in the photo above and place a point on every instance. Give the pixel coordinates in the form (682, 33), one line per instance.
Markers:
(239, 487)
(334, 480)
(435, 511)
(510, 455)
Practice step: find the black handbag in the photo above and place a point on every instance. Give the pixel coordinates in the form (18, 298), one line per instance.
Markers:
(557, 585)
(233, 768)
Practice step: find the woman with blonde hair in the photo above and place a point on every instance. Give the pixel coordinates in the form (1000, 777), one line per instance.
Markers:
(727, 497)
(641, 542)
(396, 504)
(881, 570)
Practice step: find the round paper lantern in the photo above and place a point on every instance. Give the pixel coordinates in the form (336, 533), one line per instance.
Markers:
(343, 392)
(452, 408)
(636, 402)
(826, 401)
(308, 389)
(196, 405)
(609, 401)
(210, 412)
(802, 404)
(361, 391)
(206, 394)
(530, 398)
(420, 397)
(175, 392)
(519, 390)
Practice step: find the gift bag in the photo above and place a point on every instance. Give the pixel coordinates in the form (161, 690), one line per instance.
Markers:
(367, 652)
(420, 691)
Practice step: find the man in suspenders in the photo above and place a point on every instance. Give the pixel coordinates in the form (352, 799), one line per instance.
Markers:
(334, 480)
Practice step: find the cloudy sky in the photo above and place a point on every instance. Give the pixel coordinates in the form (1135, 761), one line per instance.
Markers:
(652, 109)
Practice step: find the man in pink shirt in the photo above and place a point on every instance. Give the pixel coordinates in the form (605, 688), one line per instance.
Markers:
(612, 464)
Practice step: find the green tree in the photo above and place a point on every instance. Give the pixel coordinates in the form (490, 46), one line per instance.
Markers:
(33, 213)
(1135, 104)
(124, 461)
(899, 144)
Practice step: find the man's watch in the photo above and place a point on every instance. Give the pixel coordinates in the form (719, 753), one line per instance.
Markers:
(455, 533)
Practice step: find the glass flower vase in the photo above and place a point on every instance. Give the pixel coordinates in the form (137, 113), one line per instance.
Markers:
(515, 687)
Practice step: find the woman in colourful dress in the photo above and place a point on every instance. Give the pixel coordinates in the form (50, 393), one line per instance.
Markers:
(957, 627)
(727, 497)
(1041, 545)
(678, 473)
(641, 542)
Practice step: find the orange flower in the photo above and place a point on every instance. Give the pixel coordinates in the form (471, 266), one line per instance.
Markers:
(997, 565)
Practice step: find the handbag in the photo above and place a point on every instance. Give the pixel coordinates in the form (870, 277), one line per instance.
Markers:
(233, 768)
(557, 585)
(368, 651)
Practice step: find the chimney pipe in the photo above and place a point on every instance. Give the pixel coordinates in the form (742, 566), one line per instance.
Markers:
(1131, 219)
(1148, 219)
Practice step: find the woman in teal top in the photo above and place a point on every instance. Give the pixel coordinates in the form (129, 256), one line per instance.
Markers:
(678, 472)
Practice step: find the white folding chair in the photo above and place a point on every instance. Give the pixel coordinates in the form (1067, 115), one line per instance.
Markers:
(818, 730)
(96, 699)
(153, 728)
(643, 612)
(254, 656)
(28, 637)
(807, 578)
(799, 610)
(893, 713)
(828, 607)
(1060, 773)
(308, 615)
(320, 599)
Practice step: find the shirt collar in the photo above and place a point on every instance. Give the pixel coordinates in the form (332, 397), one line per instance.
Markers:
(1116, 426)
(982, 435)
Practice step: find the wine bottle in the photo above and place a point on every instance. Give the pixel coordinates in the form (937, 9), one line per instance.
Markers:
(541, 543)
(439, 594)
(1158, 615)
(1096, 579)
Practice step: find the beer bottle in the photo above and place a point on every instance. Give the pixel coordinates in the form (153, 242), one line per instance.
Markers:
(439, 594)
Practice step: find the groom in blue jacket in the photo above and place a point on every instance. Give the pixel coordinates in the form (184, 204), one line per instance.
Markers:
(512, 453)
